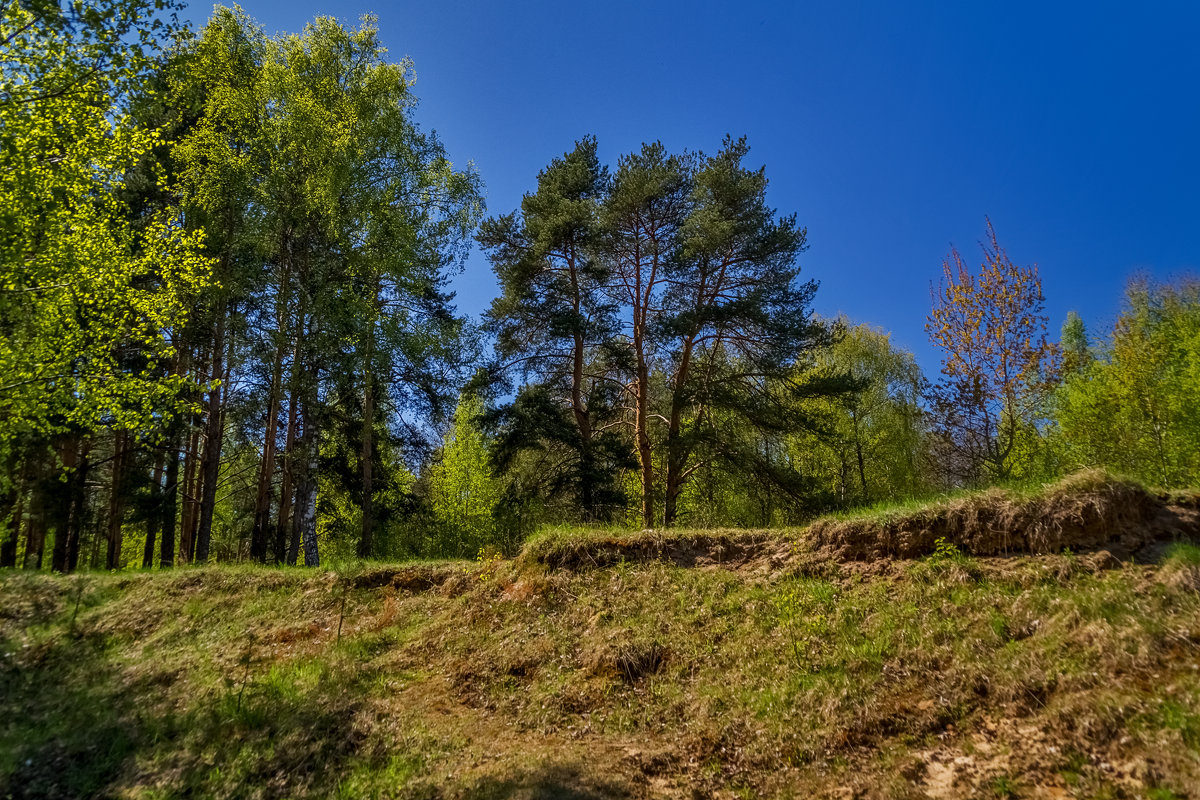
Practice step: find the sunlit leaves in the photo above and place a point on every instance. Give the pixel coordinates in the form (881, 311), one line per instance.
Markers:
(85, 295)
(1133, 408)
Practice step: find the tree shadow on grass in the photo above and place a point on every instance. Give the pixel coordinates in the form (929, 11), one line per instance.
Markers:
(549, 782)
(75, 722)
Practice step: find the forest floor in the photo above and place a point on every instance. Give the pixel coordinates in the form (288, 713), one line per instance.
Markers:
(944, 651)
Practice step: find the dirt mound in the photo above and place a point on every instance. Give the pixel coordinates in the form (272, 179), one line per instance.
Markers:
(1086, 511)
(727, 548)
(415, 578)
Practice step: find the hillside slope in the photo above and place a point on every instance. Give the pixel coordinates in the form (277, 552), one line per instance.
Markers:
(826, 662)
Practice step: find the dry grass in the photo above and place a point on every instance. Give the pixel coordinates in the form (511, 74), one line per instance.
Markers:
(949, 676)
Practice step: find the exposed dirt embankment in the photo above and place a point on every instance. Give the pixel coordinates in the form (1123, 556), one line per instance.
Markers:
(727, 548)
(1084, 512)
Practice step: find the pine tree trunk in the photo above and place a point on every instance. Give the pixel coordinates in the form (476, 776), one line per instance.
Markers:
(155, 516)
(166, 557)
(79, 502)
(191, 493)
(645, 454)
(367, 457)
(116, 503)
(214, 433)
(12, 538)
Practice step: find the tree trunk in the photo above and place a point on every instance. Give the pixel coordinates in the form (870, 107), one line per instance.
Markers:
(116, 503)
(297, 510)
(166, 557)
(677, 452)
(191, 492)
(306, 491)
(261, 540)
(304, 464)
(214, 432)
(283, 522)
(862, 464)
(645, 454)
(191, 482)
(583, 422)
(8, 548)
(60, 502)
(79, 502)
(155, 521)
(672, 490)
(260, 537)
(286, 541)
(367, 458)
(35, 533)
(308, 518)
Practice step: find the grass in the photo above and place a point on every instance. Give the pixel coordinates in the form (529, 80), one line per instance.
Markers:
(514, 681)
(1183, 554)
(658, 670)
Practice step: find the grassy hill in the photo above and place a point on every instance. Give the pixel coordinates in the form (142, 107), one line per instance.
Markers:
(943, 651)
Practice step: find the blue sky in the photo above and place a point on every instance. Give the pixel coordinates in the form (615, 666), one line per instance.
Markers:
(890, 129)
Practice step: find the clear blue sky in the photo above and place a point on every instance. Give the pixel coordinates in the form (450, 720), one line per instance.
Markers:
(890, 128)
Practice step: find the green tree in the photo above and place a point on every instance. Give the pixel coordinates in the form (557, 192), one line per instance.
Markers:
(92, 288)
(736, 316)
(336, 223)
(85, 294)
(463, 492)
(866, 444)
(1076, 350)
(1132, 408)
(551, 323)
(642, 217)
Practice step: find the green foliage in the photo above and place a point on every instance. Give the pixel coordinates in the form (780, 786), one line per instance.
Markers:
(945, 551)
(1076, 350)
(86, 293)
(463, 492)
(1133, 408)
(337, 222)
(867, 444)
(552, 324)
